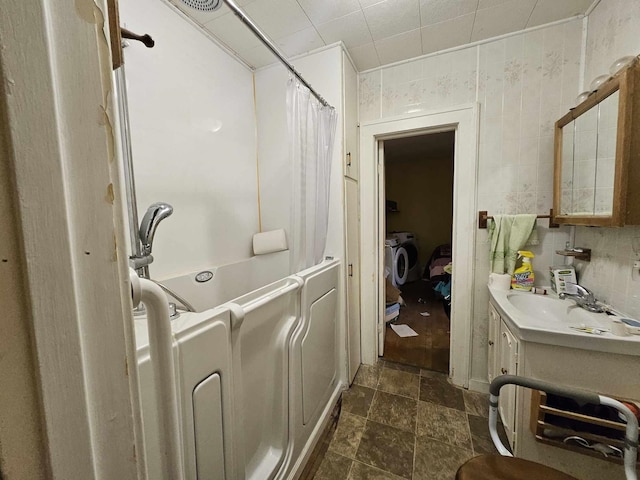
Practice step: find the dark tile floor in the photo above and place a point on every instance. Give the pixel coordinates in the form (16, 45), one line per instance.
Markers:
(403, 422)
(430, 349)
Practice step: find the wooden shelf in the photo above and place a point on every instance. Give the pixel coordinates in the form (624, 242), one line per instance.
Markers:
(584, 255)
(546, 430)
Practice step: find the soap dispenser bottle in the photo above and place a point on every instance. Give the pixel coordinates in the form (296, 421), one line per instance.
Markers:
(523, 277)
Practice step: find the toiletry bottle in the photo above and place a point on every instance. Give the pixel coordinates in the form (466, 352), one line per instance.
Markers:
(523, 277)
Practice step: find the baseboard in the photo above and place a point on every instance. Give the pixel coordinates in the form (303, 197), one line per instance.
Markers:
(479, 386)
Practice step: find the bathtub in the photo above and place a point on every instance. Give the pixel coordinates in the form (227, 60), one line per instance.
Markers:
(257, 375)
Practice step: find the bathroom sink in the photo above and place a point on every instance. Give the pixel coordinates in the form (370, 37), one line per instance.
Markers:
(552, 309)
(549, 320)
(542, 307)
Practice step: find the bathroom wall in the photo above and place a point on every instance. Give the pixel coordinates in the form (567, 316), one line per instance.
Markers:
(323, 70)
(523, 83)
(612, 33)
(194, 140)
(423, 188)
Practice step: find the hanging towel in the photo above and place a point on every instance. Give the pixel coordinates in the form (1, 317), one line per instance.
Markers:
(507, 235)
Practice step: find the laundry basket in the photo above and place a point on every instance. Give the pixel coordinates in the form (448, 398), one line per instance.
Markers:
(506, 467)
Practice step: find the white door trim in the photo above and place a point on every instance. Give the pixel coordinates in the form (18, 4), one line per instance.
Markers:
(57, 74)
(464, 120)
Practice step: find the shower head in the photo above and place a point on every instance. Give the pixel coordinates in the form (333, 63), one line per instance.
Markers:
(203, 5)
(155, 214)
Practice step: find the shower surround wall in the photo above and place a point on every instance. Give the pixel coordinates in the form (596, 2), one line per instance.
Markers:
(523, 83)
(193, 135)
(612, 33)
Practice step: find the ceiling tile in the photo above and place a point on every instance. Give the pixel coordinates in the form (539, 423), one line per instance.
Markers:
(399, 47)
(392, 17)
(547, 11)
(232, 32)
(364, 56)
(352, 29)
(447, 34)
(300, 42)
(278, 18)
(492, 3)
(436, 11)
(258, 56)
(368, 3)
(325, 10)
(506, 17)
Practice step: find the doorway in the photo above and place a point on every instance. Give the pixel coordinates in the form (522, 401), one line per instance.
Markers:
(464, 121)
(418, 190)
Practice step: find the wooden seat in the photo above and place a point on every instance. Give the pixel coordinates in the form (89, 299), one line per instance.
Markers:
(495, 467)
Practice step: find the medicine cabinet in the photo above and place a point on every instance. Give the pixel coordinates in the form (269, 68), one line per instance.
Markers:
(597, 156)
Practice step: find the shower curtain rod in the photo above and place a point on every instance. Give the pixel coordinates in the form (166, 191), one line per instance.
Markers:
(269, 44)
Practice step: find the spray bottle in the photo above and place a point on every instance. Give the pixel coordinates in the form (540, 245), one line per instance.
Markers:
(523, 277)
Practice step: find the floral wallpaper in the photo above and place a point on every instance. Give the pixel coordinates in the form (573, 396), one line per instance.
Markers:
(612, 32)
(523, 83)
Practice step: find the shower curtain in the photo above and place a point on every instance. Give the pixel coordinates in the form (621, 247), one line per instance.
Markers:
(311, 132)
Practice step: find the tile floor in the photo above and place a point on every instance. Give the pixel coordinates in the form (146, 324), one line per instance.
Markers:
(430, 349)
(403, 422)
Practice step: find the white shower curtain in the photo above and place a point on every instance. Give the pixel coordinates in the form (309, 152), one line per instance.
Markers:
(311, 132)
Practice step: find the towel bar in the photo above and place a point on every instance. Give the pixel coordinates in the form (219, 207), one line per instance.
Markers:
(483, 217)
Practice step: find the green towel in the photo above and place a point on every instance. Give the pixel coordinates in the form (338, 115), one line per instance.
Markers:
(507, 235)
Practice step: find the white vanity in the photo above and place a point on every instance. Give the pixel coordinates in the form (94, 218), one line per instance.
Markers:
(530, 335)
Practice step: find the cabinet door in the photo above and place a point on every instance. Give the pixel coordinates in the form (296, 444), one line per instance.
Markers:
(350, 79)
(508, 365)
(353, 274)
(494, 331)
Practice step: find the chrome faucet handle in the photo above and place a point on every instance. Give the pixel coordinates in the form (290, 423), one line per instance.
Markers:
(152, 218)
(584, 298)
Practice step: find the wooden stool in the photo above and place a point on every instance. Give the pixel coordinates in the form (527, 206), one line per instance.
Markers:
(496, 467)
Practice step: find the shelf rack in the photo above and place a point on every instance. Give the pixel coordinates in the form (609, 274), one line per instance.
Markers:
(542, 421)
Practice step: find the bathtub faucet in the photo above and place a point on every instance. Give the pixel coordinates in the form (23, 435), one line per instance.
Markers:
(155, 214)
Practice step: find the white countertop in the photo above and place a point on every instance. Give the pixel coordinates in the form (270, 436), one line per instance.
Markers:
(544, 328)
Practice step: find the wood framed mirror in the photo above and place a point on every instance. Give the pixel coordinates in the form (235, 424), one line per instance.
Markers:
(597, 156)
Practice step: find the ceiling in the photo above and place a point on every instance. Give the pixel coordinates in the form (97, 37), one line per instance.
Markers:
(375, 32)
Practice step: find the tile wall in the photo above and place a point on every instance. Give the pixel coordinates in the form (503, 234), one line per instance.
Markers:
(612, 33)
(523, 84)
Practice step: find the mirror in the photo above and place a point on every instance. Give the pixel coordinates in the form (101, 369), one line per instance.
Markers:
(596, 156)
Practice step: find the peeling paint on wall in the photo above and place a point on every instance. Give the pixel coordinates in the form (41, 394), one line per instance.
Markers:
(110, 194)
(86, 10)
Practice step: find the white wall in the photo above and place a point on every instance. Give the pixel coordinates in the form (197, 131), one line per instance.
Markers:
(523, 83)
(612, 33)
(193, 138)
(323, 71)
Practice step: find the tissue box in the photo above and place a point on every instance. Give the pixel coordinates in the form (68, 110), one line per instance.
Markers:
(392, 312)
(563, 278)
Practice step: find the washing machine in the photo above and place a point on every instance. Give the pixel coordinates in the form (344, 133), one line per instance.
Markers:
(396, 261)
(405, 265)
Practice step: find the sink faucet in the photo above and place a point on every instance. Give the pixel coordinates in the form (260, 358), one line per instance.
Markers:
(155, 214)
(584, 298)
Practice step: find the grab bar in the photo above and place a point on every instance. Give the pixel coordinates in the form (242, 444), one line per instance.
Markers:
(239, 311)
(161, 353)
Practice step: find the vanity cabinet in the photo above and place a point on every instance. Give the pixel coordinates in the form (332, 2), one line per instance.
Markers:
(577, 361)
(503, 360)
(597, 156)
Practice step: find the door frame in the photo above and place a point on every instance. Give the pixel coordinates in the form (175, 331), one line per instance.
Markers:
(63, 163)
(464, 121)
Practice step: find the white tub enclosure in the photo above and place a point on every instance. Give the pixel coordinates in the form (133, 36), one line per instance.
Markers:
(257, 378)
